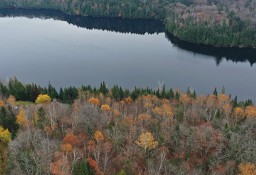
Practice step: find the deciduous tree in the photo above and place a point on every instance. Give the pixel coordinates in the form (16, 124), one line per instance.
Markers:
(146, 141)
(43, 98)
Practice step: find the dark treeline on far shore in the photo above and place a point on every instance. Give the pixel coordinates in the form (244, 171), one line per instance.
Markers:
(29, 92)
(219, 53)
(211, 22)
(135, 26)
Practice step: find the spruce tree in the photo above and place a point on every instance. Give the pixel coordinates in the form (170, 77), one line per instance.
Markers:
(215, 92)
(84, 168)
(103, 89)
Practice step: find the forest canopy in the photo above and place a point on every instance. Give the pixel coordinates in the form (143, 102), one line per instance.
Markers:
(110, 131)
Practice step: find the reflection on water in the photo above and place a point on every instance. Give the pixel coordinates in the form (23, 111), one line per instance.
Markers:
(136, 27)
(41, 46)
(232, 54)
(102, 23)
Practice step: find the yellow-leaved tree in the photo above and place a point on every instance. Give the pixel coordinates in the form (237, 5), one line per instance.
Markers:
(43, 98)
(98, 136)
(5, 138)
(146, 141)
(5, 135)
(165, 110)
(20, 118)
(247, 169)
(105, 107)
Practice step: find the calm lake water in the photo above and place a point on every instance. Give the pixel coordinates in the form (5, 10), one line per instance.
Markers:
(48, 46)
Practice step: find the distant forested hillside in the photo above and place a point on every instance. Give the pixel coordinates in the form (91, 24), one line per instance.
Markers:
(225, 23)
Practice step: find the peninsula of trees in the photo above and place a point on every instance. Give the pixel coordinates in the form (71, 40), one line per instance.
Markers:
(225, 23)
(110, 131)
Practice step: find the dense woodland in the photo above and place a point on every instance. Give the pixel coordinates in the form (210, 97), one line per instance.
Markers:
(226, 23)
(115, 132)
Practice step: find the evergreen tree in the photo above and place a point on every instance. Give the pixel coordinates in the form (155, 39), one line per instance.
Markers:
(223, 90)
(84, 168)
(51, 91)
(194, 95)
(61, 95)
(76, 170)
(234, 101)
(8, 120)
(215, 92)
(115, 92)
(177, 95)
(171, 93)
(163, 93)
(103, 88)
(188, 92)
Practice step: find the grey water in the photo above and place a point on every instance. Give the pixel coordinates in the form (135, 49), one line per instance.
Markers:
(43, 47)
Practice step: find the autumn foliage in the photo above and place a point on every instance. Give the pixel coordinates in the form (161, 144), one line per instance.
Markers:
(43, 98)
(1, 103)
(98, 134)
(94, 101)
(20, 118)
(146, 141)
(5, 138)
(247, 169)
(105, 107)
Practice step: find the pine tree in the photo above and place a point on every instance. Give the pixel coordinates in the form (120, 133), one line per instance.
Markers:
(115, 92)
(163, 94)
(171, 93)
(188, 92)
(194, 95)
(223, 90)
(177, 95)
(103, 89)
(84, 168)
(215, 92)
(235, 104)
(76, 170)
(51, 91)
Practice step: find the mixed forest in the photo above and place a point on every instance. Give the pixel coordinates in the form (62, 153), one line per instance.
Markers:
(226, 23)
(111, 131)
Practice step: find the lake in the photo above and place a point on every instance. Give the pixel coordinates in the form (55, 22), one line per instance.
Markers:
(44, 46)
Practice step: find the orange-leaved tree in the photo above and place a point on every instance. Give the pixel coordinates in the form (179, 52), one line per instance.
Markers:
(94, 101)
(250, 111)
(247, 169)
(1, 103)
(71, 139)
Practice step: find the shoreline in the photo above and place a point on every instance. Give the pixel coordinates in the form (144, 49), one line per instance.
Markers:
(202, 44)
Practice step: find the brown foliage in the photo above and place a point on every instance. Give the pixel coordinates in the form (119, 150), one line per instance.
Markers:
(70, 139)
(60, 166)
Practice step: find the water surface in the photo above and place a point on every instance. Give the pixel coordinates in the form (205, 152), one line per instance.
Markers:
(48, 46)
